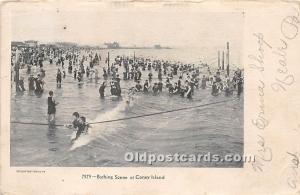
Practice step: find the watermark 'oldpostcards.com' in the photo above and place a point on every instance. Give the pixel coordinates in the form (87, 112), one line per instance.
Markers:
(150, 158)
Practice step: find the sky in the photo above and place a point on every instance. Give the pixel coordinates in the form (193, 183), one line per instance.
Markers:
(92, 25)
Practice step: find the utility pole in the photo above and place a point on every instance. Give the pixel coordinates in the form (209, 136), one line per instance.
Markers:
(227, 68)
(17, 69)
(134, 58)
(219, 60)
(223, 60)
(108, 67)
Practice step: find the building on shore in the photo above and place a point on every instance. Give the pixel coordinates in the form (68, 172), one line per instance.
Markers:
(31, 43)
(114, 45)
(18, 44)
(160, 47)
(157, 47)
(65, 44)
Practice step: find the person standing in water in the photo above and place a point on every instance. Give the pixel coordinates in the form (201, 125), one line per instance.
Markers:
(96, 75)
(239, 86)
(203, 82)
(188, 90)
(21, 85)
(75, 74)
(138, 86)
(51, 107)
(58, 77)
(31, 82)
(102, 90)
(146, 87)
(155, 89)
(39, 85)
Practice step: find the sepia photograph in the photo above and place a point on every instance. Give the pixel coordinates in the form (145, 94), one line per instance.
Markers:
(115, 87)
(149, 97)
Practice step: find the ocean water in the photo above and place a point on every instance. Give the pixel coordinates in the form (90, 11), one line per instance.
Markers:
(216, 128)
(193, 55)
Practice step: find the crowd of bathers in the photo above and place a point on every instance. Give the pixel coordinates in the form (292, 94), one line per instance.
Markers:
(148, 75)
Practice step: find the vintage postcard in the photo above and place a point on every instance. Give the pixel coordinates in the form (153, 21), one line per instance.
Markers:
(135, 97)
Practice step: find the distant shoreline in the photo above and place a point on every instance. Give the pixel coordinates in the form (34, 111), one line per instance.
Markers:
(33, 43)
(137, 48)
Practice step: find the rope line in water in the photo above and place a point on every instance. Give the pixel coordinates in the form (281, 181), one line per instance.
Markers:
(132, 117)
(163, 112)
(30, 123)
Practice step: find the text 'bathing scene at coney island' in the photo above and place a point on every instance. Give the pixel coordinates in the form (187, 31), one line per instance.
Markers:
(87, 105)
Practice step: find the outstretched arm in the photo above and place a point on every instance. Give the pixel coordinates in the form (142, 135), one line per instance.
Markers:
(70, 126)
